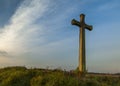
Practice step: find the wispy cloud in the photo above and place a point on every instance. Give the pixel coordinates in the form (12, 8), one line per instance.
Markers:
(3, 53)
(30, 29)
(21, 29)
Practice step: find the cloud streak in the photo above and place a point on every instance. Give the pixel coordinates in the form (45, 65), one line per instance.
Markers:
(3, 53)
(30, 37)
(21, 29)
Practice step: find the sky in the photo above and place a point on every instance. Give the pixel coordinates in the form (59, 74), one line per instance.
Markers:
(38, 33)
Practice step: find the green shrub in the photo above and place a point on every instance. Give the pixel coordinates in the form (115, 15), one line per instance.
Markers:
(17, 78)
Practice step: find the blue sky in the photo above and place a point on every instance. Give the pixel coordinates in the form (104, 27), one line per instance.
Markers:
(38, 33)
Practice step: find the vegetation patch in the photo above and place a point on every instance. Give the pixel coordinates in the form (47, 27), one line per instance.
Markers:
(21, 76)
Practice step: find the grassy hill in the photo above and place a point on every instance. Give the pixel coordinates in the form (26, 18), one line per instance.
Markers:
(21, 76)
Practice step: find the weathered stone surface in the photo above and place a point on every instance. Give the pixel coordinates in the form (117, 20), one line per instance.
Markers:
(82, 25)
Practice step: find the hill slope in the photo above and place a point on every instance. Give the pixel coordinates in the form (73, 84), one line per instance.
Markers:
(21, 76)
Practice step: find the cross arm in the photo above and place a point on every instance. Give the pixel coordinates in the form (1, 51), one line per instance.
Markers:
(89, 27)
(75, 22)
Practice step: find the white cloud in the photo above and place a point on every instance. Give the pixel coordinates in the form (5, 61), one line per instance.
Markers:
(21, 28)
(23, 38)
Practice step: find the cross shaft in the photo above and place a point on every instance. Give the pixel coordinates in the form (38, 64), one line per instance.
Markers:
(82, 25)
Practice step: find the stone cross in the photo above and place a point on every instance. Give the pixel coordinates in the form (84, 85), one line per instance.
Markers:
(82, 25)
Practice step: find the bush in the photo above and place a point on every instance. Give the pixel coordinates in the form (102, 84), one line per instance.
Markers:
(17, 78)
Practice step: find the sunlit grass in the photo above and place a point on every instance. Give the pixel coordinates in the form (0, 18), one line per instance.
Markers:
(21, 76)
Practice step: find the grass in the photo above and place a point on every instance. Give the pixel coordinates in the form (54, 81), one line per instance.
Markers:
(21, 76)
